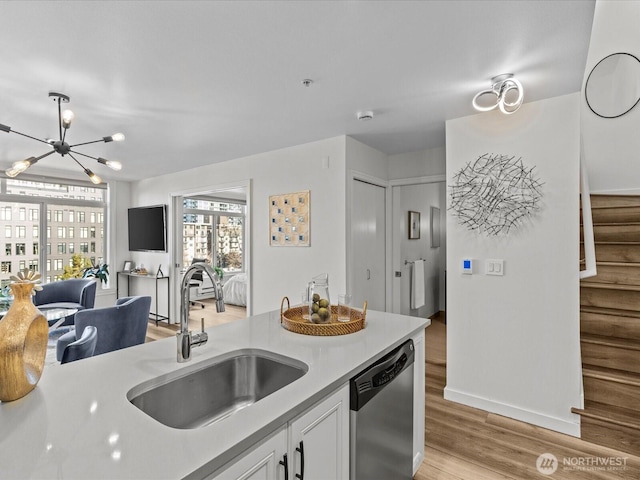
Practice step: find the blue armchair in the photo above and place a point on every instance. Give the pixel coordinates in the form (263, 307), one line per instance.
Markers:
(77, 293)
(123, 325)
(82, 348)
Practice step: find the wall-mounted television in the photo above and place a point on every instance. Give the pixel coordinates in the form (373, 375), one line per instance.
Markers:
(148, 229)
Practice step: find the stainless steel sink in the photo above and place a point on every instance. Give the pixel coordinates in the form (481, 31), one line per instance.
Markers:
(209, 391)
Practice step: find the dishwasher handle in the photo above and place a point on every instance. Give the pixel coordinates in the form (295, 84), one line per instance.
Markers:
(367, 384)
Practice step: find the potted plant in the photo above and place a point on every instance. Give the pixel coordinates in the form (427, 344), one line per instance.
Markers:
(81, 267)
(100, 271)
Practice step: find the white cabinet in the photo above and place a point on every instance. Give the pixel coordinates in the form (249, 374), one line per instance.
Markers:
(314, 445)
(264, 462)
(319, 439)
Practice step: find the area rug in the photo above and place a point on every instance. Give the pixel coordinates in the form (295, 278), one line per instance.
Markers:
(54, 335)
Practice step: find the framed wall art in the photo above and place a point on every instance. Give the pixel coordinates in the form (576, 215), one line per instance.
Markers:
(435, 227)
(289, 220)
(414, 225)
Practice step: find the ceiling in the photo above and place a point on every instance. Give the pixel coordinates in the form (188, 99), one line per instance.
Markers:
(192, 83)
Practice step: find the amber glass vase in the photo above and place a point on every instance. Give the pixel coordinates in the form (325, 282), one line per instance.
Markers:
(23, 345)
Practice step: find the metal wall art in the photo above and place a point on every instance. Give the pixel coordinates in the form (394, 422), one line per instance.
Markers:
(289, 220)
(495, 194)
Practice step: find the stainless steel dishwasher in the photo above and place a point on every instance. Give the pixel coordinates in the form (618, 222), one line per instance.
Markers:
(381, 418)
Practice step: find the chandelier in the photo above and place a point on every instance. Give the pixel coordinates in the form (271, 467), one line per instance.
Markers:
(502, 86)
(61, 146)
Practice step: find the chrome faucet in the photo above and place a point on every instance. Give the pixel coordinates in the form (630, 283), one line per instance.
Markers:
(186, 339)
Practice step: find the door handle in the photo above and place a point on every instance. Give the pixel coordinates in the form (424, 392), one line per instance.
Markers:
(284, 462)
(368, 274)
(301, 450)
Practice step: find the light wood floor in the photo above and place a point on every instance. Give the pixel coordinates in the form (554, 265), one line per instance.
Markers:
(211, 318)
(464, 443)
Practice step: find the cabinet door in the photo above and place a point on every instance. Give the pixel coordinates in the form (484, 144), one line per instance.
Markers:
(319, 439)
(262, 462)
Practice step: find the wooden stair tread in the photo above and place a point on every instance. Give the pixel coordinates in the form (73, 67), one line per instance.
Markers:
(610, 286)
(610, 414)
(610, 311)
(626, 343)
(611, 375)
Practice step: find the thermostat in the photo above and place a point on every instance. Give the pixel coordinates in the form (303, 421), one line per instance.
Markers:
(467, 266)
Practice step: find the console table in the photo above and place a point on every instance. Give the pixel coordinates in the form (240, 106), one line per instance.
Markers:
(156, 316)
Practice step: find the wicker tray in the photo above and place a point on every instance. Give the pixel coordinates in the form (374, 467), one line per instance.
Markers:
(293, 320)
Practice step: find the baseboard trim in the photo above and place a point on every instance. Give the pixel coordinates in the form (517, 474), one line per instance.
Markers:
(517, 413)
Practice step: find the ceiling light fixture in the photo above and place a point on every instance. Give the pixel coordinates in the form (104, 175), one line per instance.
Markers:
(364, 116)
(61, 146)
(507, 91)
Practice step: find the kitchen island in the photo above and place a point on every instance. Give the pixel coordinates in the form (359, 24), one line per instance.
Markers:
(78, 423)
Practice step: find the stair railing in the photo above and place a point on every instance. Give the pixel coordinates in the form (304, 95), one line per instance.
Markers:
(587, 223)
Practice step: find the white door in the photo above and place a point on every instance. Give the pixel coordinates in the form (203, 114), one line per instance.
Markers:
(368, 249)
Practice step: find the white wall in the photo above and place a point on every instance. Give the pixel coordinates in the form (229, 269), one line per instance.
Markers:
(611, 146)
(275, 271)
(119, 201)
(423, 163)
(513, 342)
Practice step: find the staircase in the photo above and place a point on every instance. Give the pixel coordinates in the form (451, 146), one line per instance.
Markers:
(610, 327)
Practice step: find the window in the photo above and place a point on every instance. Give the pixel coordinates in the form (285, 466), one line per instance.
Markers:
(84, 247)
(47, 217)
(84, 232)
(22, 265)
(215, 231)
(5, 213)
(5, 267)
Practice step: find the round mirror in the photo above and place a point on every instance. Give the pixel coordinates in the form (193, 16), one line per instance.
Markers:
(613, 86)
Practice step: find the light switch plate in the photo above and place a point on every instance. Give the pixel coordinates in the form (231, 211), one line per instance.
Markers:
(494, 267)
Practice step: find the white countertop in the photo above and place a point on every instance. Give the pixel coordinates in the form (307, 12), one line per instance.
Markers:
(78, 424)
